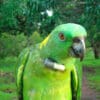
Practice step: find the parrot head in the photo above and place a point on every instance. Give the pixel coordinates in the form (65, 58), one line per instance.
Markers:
(66, 40)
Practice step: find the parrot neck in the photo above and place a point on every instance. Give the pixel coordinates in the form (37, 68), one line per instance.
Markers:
(68, 60)
(44, 48)
(45, 53)
(44, 42)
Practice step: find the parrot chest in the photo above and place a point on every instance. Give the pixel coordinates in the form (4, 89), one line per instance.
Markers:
(44, 84)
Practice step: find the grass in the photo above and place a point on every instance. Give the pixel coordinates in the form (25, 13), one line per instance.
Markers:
(7, 75)
(7, 79)
(89, 59)
(7, 96)
(93, 75)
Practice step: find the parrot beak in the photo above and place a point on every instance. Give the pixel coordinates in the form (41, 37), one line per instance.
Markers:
(78, 48)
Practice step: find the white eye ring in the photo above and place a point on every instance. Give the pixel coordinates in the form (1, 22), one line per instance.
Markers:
(62, 37)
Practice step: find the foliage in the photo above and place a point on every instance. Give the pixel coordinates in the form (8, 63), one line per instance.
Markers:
(34, 38)
(27, 16)
(97, 37)
(8, 11)
(11, 44)
(30, 15)
(96, 45)
(36, 16)
(92, 17)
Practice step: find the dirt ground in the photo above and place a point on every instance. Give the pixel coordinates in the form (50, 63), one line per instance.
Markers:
(87, 92)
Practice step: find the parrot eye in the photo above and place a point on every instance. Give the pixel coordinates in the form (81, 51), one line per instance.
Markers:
(61, 36)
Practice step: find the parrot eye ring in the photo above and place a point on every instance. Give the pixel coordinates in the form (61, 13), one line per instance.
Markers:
(62, 37)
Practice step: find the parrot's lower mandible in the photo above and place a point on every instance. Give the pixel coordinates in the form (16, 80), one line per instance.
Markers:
(49, 70)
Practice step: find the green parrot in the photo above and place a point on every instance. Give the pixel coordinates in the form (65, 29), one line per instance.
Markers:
(50, 70)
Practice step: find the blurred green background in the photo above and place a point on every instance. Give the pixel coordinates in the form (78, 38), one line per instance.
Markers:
(26, 22)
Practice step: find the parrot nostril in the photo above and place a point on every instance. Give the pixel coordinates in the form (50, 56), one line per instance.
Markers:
(76, 40)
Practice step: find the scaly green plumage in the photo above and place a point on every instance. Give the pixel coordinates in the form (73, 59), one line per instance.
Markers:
(35, 81)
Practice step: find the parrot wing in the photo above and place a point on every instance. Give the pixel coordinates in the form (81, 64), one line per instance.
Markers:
(79, 74)
(22, 60)
(74, 83)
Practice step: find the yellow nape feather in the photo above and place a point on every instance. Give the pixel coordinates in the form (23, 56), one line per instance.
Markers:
(44, 42)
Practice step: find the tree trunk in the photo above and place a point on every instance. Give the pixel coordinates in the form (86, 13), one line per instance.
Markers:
(96, 50)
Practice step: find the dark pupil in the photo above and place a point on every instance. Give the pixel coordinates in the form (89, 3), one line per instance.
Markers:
(61, 36)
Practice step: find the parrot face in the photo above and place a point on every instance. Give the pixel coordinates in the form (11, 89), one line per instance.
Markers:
(66, 40)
